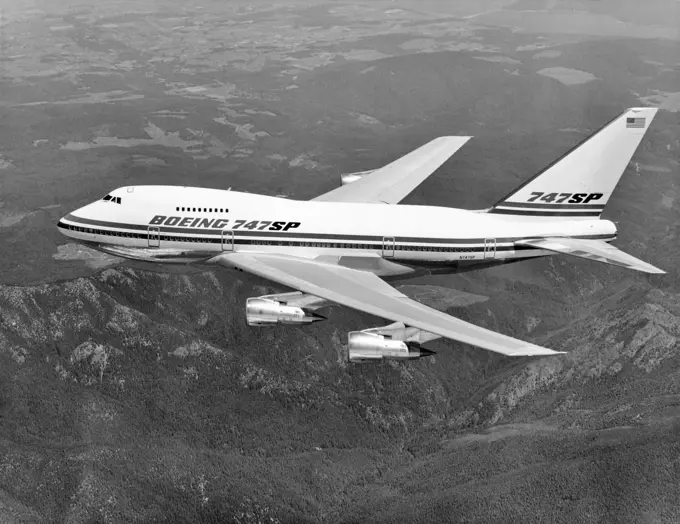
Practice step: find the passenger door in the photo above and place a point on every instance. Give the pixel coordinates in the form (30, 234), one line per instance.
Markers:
(489, 248)
(227, 240)
(388, 247)
(154, 236)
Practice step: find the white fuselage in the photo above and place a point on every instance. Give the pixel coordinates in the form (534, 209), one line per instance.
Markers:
(178, 221)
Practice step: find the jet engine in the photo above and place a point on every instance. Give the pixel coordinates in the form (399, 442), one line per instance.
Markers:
(348, 178)
(284, 308)
(390, 342)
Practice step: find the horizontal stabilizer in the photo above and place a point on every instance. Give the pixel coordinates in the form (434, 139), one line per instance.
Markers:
(592, 250)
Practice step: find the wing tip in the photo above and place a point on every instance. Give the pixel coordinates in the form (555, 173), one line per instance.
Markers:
(637, 109)
(453, 138)
(645, 267)
(535, 351)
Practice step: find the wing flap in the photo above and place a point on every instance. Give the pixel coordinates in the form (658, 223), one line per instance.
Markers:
(367, 292)
(392, 183)
(592, 250)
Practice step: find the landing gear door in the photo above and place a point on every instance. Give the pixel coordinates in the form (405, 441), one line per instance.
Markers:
(227, 240)
(388, 247)
(154, 236)
(489, 248)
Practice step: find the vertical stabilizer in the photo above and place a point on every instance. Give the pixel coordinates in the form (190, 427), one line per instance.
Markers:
(579, 184)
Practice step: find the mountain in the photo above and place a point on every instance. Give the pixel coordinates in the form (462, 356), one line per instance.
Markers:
(136, 395)
(132, 393)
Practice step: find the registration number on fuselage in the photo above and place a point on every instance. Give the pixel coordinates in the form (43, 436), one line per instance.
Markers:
(221, 223)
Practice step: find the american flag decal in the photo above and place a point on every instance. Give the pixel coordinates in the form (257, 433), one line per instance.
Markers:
(635, 123)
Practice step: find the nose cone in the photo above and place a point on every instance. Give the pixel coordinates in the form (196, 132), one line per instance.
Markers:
(89, 211)
(64, 226)
(68, 225)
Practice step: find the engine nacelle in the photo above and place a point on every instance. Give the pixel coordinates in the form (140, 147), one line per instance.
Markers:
(266, 312)
(348, 178)
(365, 346)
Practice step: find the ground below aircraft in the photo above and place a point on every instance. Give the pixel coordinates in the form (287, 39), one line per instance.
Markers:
(342, 246)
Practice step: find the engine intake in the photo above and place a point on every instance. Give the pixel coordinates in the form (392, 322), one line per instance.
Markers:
(265, 312)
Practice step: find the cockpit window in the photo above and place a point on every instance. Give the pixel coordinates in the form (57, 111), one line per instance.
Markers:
(111, 198)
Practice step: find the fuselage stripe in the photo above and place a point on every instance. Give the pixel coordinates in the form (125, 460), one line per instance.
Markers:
(546, 213)
(536, 205)
(462, 246)
(266, 235)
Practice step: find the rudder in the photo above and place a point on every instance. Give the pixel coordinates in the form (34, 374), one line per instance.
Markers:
(580, 183)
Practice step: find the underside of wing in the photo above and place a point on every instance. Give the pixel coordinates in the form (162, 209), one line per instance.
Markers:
(155, 254)
(367, 292)
(592, 250)
(392, 183)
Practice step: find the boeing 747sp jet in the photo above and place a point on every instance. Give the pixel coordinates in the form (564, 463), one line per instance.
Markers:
(338, 247)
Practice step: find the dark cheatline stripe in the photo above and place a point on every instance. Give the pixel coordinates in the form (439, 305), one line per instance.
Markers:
(523, 212)
(281, 234)
(536, 205)
(103, 223)
(283, 240)
(300, 243)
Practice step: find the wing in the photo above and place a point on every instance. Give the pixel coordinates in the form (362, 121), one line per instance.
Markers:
(592, 250)
(367, 292)
(391, 183)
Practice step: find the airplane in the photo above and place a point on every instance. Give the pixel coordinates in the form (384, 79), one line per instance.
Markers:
(343, 247)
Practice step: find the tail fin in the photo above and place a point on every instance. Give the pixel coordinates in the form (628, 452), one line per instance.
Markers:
(579, 184)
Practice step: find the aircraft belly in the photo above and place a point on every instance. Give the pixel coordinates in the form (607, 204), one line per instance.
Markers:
(167, 256)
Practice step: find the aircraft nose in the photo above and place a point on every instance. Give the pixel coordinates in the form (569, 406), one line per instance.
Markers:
(69, 223)
(63, 226)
